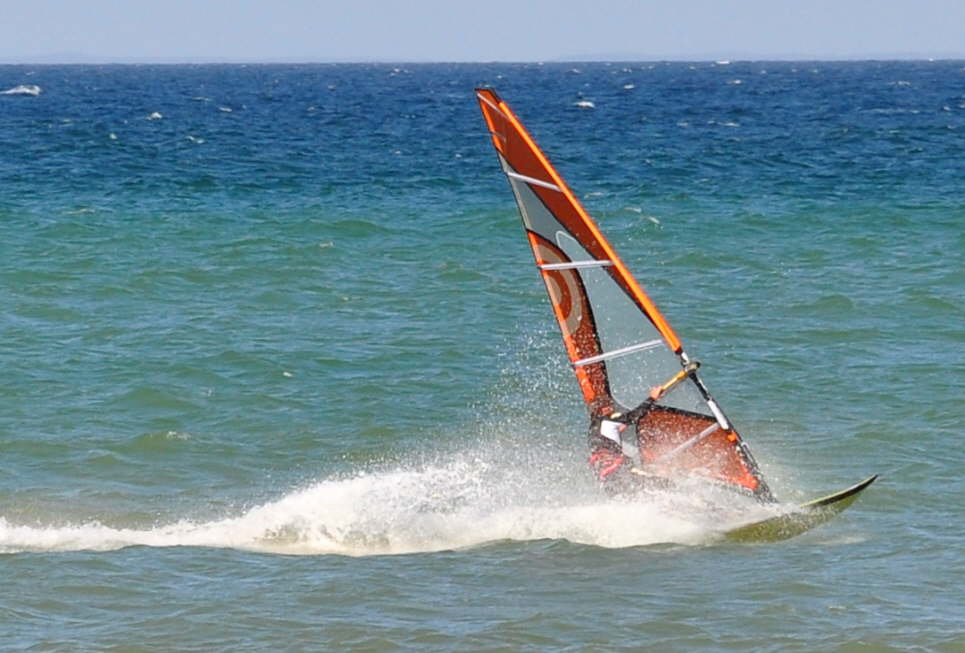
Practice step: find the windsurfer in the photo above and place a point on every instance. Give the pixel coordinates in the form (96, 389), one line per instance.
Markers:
(607, 457)
(615, 448)
(614, 454)
(606, 446)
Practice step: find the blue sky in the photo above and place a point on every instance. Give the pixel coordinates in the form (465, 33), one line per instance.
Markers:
(495, 30)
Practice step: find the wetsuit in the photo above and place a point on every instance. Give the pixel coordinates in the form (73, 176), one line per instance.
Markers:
(613, 450)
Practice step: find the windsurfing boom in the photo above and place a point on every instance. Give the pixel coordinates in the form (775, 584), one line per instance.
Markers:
(626, 357)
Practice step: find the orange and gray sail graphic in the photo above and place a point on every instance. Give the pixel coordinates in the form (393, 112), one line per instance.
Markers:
(620, 346)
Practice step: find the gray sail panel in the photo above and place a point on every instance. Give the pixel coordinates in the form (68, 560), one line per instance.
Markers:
(618, 321)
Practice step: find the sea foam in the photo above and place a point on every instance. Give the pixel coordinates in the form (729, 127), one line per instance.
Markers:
(23, 89)
(461, 503)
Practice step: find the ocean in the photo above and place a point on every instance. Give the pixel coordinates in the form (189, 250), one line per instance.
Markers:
(278, 372)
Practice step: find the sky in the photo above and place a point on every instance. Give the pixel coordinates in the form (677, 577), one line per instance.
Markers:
(38, 31)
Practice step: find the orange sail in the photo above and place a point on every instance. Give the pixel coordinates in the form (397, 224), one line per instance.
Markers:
(620, 346)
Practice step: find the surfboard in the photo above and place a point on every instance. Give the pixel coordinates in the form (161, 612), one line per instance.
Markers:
(800, 520)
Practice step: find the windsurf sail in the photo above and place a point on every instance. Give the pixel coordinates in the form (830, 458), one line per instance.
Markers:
(620, 346)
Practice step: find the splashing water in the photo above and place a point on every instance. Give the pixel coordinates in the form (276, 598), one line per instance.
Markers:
(465, 501)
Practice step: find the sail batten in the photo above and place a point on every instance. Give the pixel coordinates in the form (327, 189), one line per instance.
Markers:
(574, 265)
(534, 181)
(616, 353)
(620, 346)
(688, 443)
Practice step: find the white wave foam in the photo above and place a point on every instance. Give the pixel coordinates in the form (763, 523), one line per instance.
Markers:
(461, 503)
(23, 89)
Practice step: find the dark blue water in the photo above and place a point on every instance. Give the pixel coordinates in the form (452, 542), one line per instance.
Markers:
(265, 326)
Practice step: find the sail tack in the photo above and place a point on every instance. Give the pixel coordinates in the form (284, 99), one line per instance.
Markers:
(619, 344)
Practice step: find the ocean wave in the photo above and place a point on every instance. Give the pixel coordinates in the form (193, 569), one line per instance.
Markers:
(23, 89)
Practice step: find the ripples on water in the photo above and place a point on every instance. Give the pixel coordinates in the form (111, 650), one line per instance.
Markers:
(255, 311)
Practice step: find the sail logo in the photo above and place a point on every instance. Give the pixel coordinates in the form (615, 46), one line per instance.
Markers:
(564, 290)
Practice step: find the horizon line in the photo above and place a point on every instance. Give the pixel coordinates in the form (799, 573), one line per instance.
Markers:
(80, 59)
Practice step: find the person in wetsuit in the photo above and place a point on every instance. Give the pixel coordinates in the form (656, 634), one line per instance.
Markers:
(615, 453)
(615, 449)
(607, 448)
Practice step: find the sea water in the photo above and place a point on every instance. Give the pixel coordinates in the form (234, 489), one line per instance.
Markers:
(277, 372)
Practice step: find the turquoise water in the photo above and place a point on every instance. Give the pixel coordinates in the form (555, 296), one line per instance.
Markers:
(278, 372)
